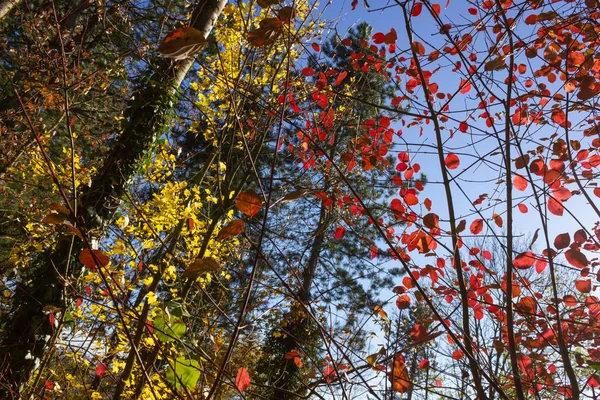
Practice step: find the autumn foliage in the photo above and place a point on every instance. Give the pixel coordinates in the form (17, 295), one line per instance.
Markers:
(408, 212)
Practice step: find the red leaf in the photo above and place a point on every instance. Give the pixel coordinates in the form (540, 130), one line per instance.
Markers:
(339, 232)
(561, 193)
(391, 37)
(242, 380)
(519, 182)
(465, 86)
(49, 385)
(525, 260)
(463, 126)
(329, 373)
(584, 285)
(417, 9)
(78, 302)
(340, 78)
(559, 117)
(418, 332)
(561, 241)
(249, 203)
(316, 47)
(452, 161)
(523, 208)
(378, 38)
(576, 258)
(458, 354)
(476, 226)
(555, 206)
(540, 265)
(597, 192)
(308, 71)
(424, 364)
(87, 259)
(436, 9)
(100, 369)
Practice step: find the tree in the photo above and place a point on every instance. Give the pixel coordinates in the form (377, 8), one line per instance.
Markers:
(173, 266)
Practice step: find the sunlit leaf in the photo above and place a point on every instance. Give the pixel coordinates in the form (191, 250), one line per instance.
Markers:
(249, 203)
(576, 258)
(182, 43)
(242, 379)
(168, 328)
(524, 260)
(183, 371)
(403, 301)
(561, 241)
(452, 161)
(583, 285)
(399, 376)
(476, 226)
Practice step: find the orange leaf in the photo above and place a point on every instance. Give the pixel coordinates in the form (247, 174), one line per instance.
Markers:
(200, 266)
(411, 200)
(248, 202)
(399, 376)
(403, 301)
(242, 380)
(519, 182)
(233, 228)
(182, 43)
(54, 219)
(497, 220)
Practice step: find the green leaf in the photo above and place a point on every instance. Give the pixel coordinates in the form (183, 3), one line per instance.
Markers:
(168, 327)
(595, 365)
(177, 309)
(183, 371)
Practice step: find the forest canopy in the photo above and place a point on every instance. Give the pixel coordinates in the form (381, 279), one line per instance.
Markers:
(266, 200)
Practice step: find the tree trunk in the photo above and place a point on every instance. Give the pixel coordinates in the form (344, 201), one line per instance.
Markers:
(27, 331)
(296, 330)
(6, 6)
